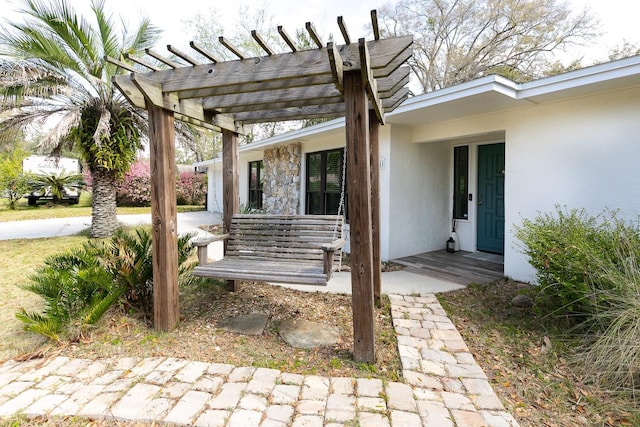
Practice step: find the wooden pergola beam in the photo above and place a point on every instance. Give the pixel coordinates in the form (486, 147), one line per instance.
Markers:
(163, 59)
(344, 30)
(335, 63)
(287, 39)
(142, 62)
(252, 99)
(370, 83)
(263, 44)
(230, 47)
(203, 51)
(313, 34)
(182, 55)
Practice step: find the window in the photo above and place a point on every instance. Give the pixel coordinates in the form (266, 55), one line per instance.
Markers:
(255, 184)
(461, 182)
(324, 183)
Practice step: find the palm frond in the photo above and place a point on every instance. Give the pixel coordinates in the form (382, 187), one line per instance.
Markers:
(60, 21)
(39, 324)
(108, 37)
(97, 310)
(103, 128)
(58, 136)
(144, 37)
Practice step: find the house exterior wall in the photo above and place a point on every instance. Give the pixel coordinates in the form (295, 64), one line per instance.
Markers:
(578, 153)
(419, 195)
(214, 175)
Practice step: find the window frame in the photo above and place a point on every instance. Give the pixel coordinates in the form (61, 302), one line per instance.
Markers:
(323, 190)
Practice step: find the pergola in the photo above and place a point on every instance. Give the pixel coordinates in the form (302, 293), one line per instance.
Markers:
(361, 80)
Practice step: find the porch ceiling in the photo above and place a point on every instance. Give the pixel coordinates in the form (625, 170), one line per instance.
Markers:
(299, 84)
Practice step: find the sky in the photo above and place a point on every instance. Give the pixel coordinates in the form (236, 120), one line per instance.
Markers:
(618, 17)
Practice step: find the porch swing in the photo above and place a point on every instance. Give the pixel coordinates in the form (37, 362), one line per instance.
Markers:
(294, 249)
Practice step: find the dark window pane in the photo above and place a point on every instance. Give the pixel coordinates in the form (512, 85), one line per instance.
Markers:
(314, 204)
(314, 172)
(332, 202)
(460, 182)
(255, 184)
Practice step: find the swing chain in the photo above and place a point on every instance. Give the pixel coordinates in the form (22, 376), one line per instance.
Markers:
(342, 191)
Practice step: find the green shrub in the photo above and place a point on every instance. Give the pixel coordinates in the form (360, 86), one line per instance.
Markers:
(129, 260)
(77, 290)
(564, 247)
(78, 287)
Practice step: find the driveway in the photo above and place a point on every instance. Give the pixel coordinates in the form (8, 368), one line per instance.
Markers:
(54, 227)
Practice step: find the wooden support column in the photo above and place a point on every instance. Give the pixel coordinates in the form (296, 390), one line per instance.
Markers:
(374, 147)
(166, 312)
(230, 187)
(359, 184)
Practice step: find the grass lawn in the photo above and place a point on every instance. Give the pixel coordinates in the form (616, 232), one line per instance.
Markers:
(48, 210)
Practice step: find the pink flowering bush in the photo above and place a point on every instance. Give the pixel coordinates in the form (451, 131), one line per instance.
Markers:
(135, 187)
(191, 188)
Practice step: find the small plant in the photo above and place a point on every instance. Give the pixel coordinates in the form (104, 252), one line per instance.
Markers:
(128, 258)
(16, 188)
(248, 209)
(76, 290)
(58, 185)
(80, 286)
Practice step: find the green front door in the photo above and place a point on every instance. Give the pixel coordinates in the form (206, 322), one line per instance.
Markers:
(491, 198)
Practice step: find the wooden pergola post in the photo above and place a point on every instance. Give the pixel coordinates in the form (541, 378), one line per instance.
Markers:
(230, 188)
(164, 219)
(359, 184)
(374, 146)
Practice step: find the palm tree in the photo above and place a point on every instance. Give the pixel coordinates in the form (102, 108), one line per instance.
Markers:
(53, 75)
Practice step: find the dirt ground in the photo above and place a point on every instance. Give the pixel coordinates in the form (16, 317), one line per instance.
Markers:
(197, 338)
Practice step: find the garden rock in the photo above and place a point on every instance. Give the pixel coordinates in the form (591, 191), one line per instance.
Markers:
(305, 334)
(522, 301)
(246, 324)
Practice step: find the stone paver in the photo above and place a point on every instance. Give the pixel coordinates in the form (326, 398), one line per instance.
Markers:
(443, 386)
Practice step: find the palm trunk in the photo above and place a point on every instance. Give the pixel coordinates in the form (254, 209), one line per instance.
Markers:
(104, 221)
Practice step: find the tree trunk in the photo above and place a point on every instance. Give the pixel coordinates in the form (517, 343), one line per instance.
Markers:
(104, 221)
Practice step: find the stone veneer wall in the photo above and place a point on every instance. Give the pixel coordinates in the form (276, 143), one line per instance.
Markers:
(281, 185)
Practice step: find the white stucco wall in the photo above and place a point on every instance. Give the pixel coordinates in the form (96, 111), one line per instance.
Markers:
(579, 153)
(214, 175)
(419, 195)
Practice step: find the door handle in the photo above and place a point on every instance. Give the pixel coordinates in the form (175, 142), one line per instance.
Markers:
(480, 202)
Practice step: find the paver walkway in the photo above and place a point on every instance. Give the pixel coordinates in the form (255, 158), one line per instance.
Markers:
(443, 387)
